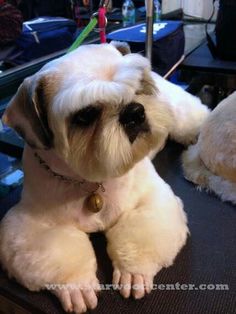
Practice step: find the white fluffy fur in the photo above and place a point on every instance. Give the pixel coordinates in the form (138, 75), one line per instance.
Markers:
(187, 120)
(43, 239)
(126, 80)
(211, 162)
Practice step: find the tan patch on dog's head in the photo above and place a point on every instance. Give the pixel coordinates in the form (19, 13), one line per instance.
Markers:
(121, 46)
(148, 86)
(28, 111)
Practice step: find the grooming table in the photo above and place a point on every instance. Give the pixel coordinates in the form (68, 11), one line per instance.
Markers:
(208, 258)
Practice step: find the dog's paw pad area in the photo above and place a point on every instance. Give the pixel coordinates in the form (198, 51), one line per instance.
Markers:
(78, 298)
(136, 285)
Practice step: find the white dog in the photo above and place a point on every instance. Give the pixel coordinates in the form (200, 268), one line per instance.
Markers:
(90, 119)
(211, 162)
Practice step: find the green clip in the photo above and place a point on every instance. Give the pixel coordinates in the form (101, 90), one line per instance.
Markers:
(83, 34)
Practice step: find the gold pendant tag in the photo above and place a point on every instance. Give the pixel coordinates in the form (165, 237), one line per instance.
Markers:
(94, 202)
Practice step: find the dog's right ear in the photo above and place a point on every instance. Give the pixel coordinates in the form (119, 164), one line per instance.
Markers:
(27, 113)
(122, 46)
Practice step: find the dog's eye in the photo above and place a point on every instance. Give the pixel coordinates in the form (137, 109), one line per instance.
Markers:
(86, 116)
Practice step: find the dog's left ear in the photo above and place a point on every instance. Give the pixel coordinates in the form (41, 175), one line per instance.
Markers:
(27, 113)
(148, 86)
(122, 47)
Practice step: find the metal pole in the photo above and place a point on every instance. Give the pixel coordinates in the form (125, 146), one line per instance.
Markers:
(149, 28)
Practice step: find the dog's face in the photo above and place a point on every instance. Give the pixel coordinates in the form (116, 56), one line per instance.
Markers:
(98, 109)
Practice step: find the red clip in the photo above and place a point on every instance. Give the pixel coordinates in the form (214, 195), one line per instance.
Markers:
(102, 24)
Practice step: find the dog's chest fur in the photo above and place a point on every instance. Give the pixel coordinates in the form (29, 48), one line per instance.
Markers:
(64, 202)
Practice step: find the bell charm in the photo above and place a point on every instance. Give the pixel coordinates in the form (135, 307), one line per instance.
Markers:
(94, 202)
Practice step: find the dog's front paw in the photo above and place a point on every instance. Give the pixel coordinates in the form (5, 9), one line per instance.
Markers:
(78, 297)
(136, 284)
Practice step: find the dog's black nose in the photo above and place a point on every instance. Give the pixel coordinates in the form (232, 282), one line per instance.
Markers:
(133, 120)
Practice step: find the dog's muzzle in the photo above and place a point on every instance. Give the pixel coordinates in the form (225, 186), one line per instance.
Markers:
(133, 120)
